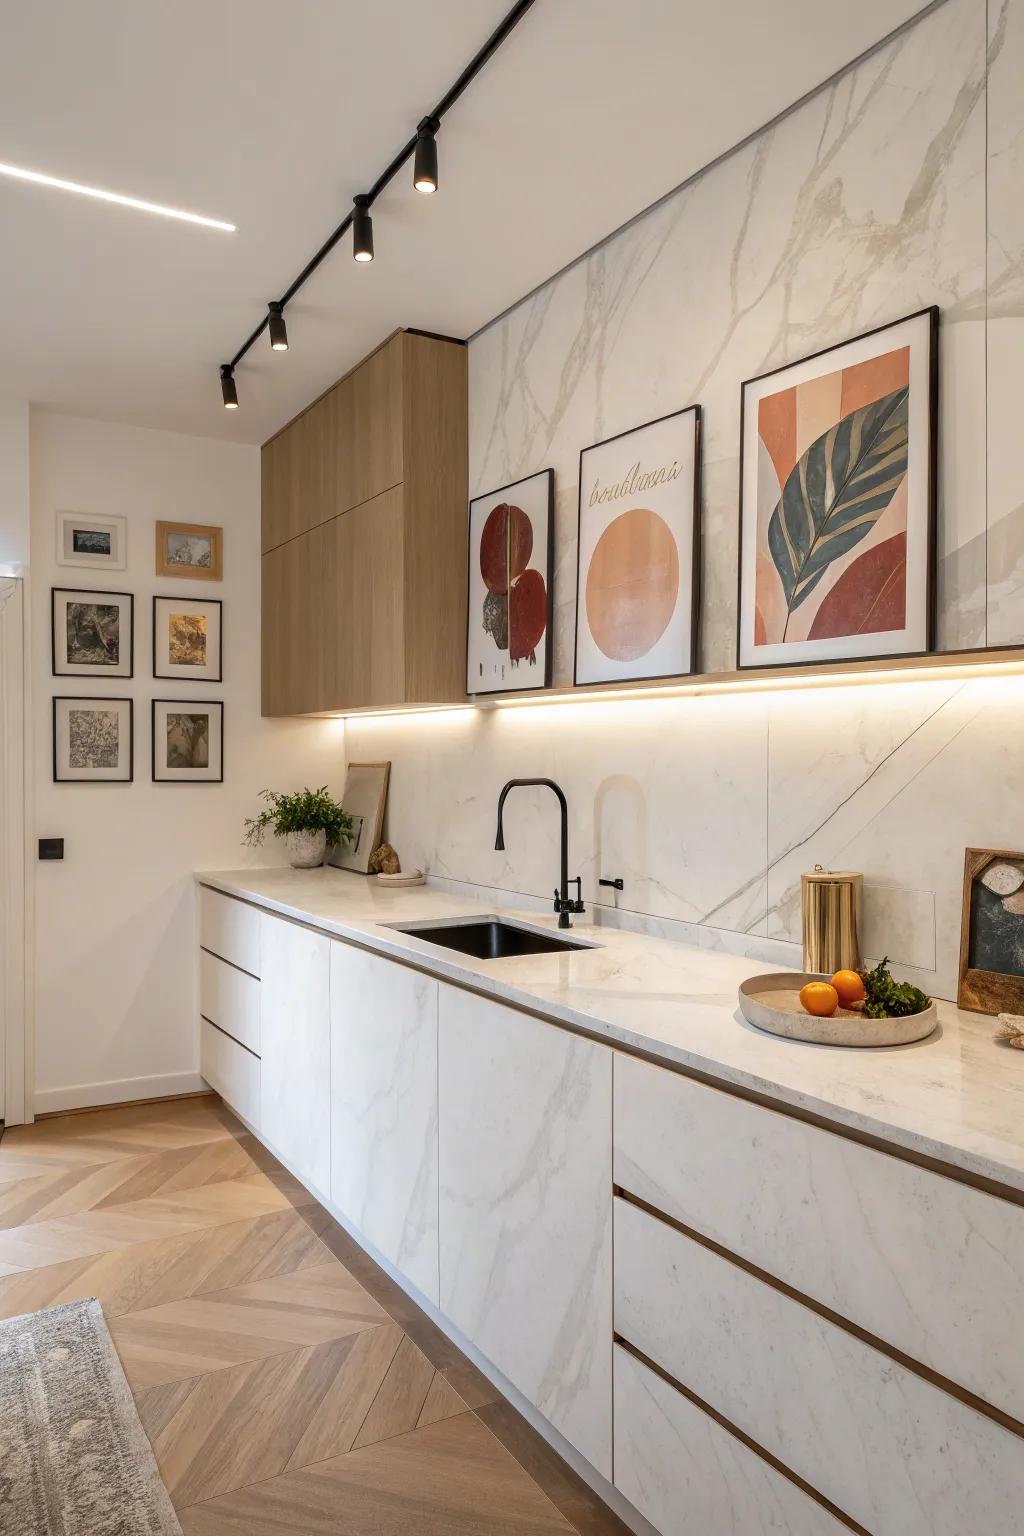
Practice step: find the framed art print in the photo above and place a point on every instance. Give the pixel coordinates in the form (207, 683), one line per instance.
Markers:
(92, 741)
(188, 741)
(92, 541)
(992, 932)
(193, 551)
(638, 583)
(187, 638)
(837, 501)
(511, 540)
(93, 633)
(364, 799)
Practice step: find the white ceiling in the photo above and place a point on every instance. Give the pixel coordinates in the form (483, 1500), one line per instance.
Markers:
(272, 113)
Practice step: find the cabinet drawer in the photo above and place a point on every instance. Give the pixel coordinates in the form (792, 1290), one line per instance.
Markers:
(230, 928)
(921, 1261)
(230, 998)
(232, 1070)
(689, 1476)
(888, 1448)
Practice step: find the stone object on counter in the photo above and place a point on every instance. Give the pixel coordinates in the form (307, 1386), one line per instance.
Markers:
(1011, 1030)
(384, 861)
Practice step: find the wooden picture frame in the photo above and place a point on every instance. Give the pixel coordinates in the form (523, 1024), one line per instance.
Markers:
(638, 553)
(365, 798)
(984, 927)
(863, 589)
(188, 643)
(81, 756)
(92, 632)
(190, 551)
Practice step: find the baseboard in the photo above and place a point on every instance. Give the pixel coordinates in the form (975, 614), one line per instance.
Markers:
(168, 1085)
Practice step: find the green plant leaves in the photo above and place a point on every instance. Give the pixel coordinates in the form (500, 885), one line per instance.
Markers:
(837, 491)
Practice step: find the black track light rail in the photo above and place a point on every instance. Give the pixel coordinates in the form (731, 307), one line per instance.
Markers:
(473, 68)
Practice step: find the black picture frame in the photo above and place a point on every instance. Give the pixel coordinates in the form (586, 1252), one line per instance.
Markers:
(549, 557)
(88, 698)
(206, 602)
(185, 704)
(932, 311)
(697, 552)
(91, 592)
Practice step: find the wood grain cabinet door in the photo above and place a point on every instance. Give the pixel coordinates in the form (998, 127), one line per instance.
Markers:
(525, 1209)
(295, 1048)
(384, 1108)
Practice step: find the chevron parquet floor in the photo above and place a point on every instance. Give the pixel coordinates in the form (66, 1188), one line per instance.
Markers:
(286, 1384)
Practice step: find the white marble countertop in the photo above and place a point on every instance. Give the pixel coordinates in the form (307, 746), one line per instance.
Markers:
(957, 1096)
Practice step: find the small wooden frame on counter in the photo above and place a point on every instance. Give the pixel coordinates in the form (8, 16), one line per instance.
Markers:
(992, 932)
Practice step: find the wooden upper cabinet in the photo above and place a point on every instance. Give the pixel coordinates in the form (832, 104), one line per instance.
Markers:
(365, 538)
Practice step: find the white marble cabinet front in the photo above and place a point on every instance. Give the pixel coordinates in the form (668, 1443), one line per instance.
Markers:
(295, 1081)
(384, 1108)
(525, 1208)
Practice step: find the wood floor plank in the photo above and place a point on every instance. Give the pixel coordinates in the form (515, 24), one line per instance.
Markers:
(147, 1274)
(209, 1332)
(332, 1428)
(396, 1408)
(446, 1479)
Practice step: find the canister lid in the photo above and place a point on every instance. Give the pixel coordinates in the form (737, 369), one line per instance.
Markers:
(819, 876)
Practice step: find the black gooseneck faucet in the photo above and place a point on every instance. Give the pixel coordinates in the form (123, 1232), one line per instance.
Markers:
(563, 904)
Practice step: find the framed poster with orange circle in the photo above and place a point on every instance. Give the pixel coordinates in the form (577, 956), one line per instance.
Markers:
(508, 643)
(638, 560)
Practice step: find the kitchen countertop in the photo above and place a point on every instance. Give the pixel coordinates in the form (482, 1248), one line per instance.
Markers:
(957, 1096)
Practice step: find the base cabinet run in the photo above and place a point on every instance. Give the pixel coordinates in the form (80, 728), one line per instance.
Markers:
(295, 1081)
(384, 1109)
(525, 1208)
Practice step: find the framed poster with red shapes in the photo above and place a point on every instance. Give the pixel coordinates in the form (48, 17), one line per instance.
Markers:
(511, 536)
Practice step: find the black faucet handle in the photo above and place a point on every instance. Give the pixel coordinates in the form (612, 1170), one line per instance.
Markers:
(577, 905)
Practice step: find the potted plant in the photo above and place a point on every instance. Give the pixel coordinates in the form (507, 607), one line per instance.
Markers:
(309, 821)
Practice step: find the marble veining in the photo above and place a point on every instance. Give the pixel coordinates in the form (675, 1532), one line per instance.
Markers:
(957, 1096)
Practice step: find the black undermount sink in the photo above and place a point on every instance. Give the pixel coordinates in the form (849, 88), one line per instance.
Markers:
(488, 938)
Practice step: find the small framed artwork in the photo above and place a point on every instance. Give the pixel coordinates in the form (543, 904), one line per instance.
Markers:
(187, 638)
(92, 541)
(837, 501)
(364, 799)
(188, 741)
(511, 543)
(93, 741)
(193, 551)
(992, 932)
(93, 633)
(638, 553)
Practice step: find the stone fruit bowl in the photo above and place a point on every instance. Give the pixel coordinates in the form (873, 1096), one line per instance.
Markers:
(773, 1003)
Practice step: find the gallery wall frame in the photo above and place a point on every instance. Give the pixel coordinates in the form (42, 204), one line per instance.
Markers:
(85, 623)
(92, 542)
(189, 551)
(538, 492)
(687, 518)
(182, 749)
(80, 748)
(204, 645)
(919, 567)
(992, 931)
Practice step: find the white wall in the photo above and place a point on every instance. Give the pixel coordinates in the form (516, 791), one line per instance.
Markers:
(897, 187)
(14, 498)
(115, 1010)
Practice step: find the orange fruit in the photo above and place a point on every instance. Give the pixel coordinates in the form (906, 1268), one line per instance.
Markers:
(850, 988)
(819, 998)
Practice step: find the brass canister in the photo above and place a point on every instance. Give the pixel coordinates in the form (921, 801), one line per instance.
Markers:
(831, 902)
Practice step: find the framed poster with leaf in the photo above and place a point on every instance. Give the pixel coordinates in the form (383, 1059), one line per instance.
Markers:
(837, 501)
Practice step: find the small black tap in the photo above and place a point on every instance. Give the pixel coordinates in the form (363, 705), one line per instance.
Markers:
(563, 903)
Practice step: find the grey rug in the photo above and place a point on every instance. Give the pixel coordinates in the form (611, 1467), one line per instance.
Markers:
(74, 1458)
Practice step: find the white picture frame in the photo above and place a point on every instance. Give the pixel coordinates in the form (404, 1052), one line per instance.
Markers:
(90, 542)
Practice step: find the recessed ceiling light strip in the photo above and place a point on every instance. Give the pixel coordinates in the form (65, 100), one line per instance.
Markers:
(20, 174)
(425, 170)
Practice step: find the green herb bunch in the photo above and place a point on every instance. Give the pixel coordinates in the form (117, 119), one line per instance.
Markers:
(888, 999)
(308, 810)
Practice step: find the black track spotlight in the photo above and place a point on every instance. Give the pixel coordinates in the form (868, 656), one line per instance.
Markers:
(227, 387)
(277, 327)
(362, 228)
(424, 171)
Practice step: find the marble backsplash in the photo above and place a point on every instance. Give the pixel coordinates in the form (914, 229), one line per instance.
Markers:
(896, 187)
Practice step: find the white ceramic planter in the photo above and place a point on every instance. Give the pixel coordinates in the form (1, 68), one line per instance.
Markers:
(306, 849)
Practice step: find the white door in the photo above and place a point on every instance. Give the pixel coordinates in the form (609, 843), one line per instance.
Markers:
(13, 1003)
